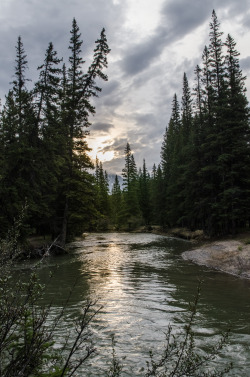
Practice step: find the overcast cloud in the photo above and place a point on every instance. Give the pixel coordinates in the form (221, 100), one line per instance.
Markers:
(152, 45)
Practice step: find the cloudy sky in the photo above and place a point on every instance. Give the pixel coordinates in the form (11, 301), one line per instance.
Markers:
(153, 43)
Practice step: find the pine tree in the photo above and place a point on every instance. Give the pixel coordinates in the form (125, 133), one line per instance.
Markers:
(102, 185)
(158, 196)
(116, 204)
(170, 156)
(9, 150)
(187, 115)
(47, 105)
(95, 70)
(130, 190)
(76, 111)
(216, 55)
(144, 194)
(21, 174)
(234, 161)
(212, 124)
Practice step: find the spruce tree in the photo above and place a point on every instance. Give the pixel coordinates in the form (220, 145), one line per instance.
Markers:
(131, 210)
(185, 150)
(47, 106)
(170, 157)
(79, 87)
(158, 196)
(102, 188)
(234, 161)
(21, 175)
(95, 70)
(144, 194)
(116, 204)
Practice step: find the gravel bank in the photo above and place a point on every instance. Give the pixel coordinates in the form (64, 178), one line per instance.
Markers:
(230, 256)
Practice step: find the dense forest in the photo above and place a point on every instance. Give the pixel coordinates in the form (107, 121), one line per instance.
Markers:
(202, 181)
(44, 163)
(204, 175)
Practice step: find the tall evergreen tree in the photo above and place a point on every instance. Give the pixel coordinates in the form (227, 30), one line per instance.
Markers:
(186, 110)
(102, 185)
(234, 161)
(144, 194)
(51, 145)
(158, 196)
(116, 204)
(184, 154)
(170, 154)
(130, 183)
(21, 173)
(77, 108)
(95, 70)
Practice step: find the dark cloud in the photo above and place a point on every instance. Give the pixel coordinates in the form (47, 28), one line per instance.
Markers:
(177, 21)
(118, 145)
(181, 18)
(245, 63)
(111, 87)
(145, 119)
(113, 101)
(41, 22)
(115, 166)
(111, 95)
(235, 8)
(142, 55)
(144, 73)
(103, 127)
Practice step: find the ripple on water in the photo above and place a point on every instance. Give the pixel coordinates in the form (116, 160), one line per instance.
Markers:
(144, 286)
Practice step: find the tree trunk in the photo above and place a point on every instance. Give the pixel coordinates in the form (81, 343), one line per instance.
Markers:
(63, 235)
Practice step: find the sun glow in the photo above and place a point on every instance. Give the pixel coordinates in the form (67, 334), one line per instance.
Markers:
(99, 149)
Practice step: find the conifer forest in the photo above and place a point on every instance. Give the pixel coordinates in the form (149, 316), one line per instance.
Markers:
(50, 189)
(203, 179)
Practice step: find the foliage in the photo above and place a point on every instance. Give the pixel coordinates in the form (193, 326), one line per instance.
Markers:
(27, 331)
(182, 357)
(205, 151)
(26, 338)
(44, 151)
(116, 366)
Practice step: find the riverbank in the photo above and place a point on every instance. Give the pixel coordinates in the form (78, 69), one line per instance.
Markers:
(194, 236)
(230, 255)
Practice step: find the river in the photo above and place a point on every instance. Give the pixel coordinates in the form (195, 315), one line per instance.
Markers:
(144, 285)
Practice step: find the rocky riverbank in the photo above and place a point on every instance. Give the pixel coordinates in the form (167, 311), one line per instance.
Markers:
(230, 256)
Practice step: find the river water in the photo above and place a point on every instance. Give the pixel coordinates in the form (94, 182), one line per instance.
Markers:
(144, 285)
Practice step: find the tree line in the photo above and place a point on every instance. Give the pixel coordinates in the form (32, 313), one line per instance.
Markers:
(44, 158)
(205, 152)
(202, 181)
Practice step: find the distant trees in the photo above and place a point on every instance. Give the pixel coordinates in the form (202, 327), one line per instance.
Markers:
(130, 178)
(102, 200)
(116, 204)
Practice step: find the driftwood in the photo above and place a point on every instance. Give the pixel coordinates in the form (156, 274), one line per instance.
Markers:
(54, 248)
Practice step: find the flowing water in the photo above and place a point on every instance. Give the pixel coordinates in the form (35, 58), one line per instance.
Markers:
(144, 285)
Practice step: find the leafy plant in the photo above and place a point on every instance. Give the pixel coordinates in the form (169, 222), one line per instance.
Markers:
(181, 357)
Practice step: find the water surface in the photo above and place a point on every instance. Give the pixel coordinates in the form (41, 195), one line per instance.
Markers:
(143, 285)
